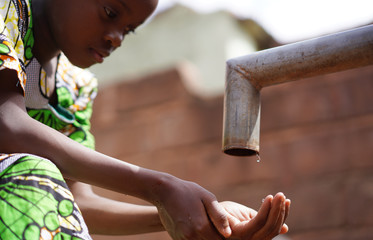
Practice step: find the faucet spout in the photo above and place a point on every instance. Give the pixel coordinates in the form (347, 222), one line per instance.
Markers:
(241, 115)
(247, 75)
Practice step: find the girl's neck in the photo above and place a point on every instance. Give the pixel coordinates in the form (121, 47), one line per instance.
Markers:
(45, 47)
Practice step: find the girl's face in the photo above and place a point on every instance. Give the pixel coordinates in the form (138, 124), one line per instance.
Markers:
(87, 31)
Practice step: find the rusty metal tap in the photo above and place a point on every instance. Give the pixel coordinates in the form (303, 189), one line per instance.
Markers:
(247, 75)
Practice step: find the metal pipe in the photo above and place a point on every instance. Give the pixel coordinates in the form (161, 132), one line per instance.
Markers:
(247, 75)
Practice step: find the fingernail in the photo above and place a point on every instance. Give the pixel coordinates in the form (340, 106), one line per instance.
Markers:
(227, 232)
(269, 196)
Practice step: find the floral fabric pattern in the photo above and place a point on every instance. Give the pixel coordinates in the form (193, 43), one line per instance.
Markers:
(36, 203)
(16, 36)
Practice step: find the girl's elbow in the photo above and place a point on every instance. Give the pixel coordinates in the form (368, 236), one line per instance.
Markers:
(11, 137)
(6, 137)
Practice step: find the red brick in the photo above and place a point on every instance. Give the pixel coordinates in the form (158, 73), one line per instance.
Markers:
(359, 199)
(324, 98)
(318, 203)
(321, 148)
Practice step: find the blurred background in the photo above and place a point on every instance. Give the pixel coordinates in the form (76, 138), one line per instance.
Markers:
(160, 106)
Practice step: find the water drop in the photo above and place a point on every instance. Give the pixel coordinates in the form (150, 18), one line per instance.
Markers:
(258, 160)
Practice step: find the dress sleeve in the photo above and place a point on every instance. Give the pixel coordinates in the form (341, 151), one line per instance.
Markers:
(16, 38)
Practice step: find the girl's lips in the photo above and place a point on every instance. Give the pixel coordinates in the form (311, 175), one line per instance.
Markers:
(97, 56)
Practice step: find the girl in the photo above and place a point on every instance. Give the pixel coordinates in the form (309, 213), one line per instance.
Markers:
(45, 106)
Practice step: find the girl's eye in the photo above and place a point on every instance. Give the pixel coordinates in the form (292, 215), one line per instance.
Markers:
(109, 12)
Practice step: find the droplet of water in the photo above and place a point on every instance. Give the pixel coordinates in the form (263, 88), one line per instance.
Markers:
(258, 160)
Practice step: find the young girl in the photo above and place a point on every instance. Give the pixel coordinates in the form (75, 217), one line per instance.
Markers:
(45, 106)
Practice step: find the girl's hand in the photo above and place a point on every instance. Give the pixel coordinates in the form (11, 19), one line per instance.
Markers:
(265, 224)
(188, 211)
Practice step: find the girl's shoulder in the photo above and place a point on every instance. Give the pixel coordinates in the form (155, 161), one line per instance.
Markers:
(16, 25)
(16, 36)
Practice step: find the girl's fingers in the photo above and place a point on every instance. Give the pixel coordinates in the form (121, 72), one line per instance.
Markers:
(248, 229)
(285, 227)
(275, 218)
(219, 217)
(287, 208)
(262, 216)
(280, 221)
(269, 221)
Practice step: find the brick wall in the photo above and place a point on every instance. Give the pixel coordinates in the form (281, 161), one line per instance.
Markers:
(316, 146)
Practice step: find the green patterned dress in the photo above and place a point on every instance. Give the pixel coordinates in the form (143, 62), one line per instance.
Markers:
(35, 202)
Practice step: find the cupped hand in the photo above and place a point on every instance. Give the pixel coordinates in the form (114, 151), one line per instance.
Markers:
(267, 223)
(190, 212)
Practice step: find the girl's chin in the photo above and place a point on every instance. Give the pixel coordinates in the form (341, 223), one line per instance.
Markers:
(81, 59)
(83, 63)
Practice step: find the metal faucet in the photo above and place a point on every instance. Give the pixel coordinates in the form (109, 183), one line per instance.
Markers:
(247, 75)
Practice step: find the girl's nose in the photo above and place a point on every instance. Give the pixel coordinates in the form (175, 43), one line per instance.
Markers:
(114, 38)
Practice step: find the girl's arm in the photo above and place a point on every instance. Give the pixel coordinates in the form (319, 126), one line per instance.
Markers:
(108, 217)
(185, 208)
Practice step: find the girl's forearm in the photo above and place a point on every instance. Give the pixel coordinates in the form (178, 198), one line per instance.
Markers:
(108, 217)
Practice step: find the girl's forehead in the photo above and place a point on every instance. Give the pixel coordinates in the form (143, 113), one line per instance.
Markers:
(138, 3)
(124, 5)
(138, 6)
